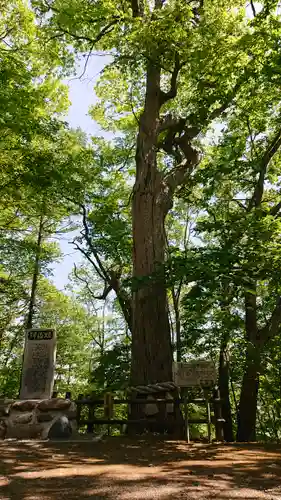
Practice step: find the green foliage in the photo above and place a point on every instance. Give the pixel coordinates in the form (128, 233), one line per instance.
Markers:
(113, 370)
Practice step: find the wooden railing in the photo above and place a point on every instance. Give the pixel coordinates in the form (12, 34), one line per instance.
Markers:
(212, 416)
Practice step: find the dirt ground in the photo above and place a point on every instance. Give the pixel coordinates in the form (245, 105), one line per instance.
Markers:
(125, 469)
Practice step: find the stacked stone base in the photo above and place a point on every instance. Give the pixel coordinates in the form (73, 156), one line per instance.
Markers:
(37, 419)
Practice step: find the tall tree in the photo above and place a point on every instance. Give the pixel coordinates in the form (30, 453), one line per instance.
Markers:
(187, 64)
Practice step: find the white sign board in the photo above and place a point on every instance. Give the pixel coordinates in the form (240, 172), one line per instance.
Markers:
(194, 374)
(38, 364)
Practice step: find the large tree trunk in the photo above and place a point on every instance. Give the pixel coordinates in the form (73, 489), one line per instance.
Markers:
(151, 342)
(152, 355)
(224, 390)
(247, 412)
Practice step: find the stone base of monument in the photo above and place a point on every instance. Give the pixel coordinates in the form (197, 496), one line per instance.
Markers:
(37, 419)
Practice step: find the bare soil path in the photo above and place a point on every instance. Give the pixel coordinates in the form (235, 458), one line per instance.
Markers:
(124, 469)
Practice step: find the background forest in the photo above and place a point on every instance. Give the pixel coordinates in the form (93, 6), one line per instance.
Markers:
(174, 208)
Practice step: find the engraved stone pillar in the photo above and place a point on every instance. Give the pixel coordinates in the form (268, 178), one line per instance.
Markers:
(38, 364)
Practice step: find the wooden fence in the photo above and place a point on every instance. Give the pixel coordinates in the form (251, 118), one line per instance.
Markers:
(88, 405)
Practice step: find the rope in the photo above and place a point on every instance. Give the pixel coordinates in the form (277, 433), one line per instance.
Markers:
(153, 388)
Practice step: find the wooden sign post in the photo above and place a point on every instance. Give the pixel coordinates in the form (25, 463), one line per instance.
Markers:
(192, 374)
(201, 373)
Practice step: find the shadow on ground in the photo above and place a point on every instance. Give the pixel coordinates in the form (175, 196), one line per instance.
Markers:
(125, 469)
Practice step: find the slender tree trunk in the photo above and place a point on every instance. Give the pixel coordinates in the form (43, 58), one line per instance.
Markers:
(224, 390)
(151, 342)
(247, 412)
(178, 335)
(36, 269)
(178, 324)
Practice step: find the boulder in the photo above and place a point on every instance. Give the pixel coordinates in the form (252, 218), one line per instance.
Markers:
(4, 410)
(54, 405)
(6, 401)
(61, 429)
(23, 431)
(44, 417)
(5, 405)
(3, 429)
(25, 418)
(27, 405)
(71, 415)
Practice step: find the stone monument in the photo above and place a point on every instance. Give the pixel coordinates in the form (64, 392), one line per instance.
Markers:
(36, 415)
(38, 364)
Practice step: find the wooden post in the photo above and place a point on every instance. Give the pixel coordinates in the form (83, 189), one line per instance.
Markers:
(186, 422)
(208, 410)
(79, 411)
(218, 415)
(108, 409)
(135, 410)
(162, 412)
(91, 415)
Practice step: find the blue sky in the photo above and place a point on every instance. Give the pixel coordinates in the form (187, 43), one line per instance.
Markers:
(82, 96)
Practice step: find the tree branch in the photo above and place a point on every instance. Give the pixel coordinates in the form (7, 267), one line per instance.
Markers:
(271, 328)
(86, 254)
(216, 113)
(221, 109)
(178, 139)
(86, 62)
(172, 93)
(268, 155)
(106, 291)
(170, 122)
(137, 8)
(253, 148)
(5, 34)
(250, 299)
(239, 203)
(274, 211)
(179, 175)
(107, 29)
(87, 237)
(253, 8)
(109, 276)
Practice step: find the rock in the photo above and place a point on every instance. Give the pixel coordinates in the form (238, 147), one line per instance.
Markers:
(54, 405)
(151, 408)
(3, 429)
(26, 418)
(25, 405)
(44, 417)
(96, 439)
(4, 410)
(5, 405)
(23, 431)
(71, 415)
(72, 407)
(61, 429)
